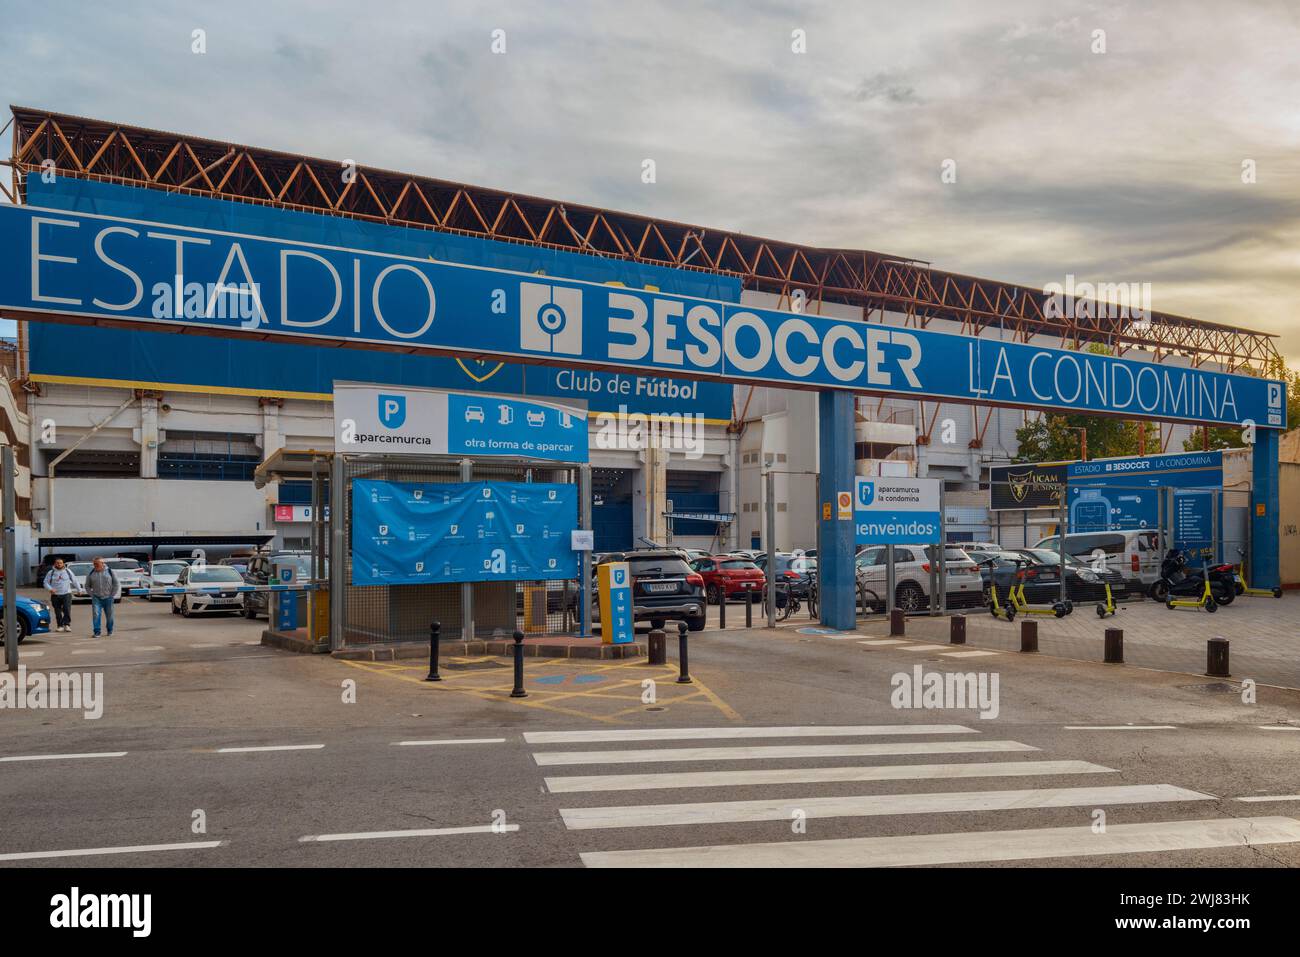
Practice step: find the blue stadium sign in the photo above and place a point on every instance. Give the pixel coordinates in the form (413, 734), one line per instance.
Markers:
(160, 275)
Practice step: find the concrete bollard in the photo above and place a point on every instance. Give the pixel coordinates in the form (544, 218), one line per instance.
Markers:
(1114, 646)
(1216, 657)
(657, 648)
(518, 690)
(1029, 636)
(435, 635)
(897, 623)
(957, 630)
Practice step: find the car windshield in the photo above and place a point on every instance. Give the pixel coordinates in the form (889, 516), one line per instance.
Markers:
(658, 566)
(951, 553)
(214, 573)
(166, 568)
(1047, 557)
(122, 564)
(801, 564)
(79, 568)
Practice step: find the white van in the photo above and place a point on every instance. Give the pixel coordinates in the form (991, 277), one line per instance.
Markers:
(1134, 553)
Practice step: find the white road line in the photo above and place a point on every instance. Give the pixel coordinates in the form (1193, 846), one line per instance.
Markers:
(421, 832)
(656, 755)
(968, 654)
(272, 747)
(797, 731)
(61, 757)
(923, 648)
(150, 648)
(30, 654)
(848, 637)
(884, 641)
(969, 847)
(88, 651)
(1121, 727)
(97, 851)
(207, 644)
(415, 744)
(1270, 797)
(870, 805)
(887, 772)
(1278, 727)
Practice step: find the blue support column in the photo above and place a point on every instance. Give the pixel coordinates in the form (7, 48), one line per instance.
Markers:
(835, 570)
(1265, 570)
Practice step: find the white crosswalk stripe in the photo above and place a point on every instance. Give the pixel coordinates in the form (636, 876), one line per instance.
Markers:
(748, 797)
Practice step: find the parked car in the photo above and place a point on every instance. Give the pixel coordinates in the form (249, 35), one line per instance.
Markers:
(79, 572)
(1083, 582)
(664, 588)
(161, 574)
(730, 576)
(259, 570)
(238, 564)
(204, 601)
(794, 569)
(128, 571)
(965, 587)
(33, 617)
(1135, 554)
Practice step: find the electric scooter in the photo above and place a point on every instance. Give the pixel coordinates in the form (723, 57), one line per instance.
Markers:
(1243, 586)
(1058, 609)
(1108, 607)
(995, 608)
(1184, 589)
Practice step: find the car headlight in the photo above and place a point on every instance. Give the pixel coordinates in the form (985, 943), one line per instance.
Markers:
(1088, 576)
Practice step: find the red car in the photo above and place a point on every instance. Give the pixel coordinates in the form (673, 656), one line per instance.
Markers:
(730, 575)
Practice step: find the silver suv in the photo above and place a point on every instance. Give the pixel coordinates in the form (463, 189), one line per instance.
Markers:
(912, 576)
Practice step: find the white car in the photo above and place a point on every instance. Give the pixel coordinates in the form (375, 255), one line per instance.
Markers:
(128, 571)
(79, 572)
(912, 576)
(214, 596)
(161, 574)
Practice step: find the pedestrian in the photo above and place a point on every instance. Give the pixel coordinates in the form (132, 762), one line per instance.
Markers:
(60, 583)
(101, 585)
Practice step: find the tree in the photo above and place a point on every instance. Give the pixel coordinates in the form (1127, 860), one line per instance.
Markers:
(1056, 438)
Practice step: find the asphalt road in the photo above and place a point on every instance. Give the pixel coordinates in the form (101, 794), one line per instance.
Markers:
(798, 756)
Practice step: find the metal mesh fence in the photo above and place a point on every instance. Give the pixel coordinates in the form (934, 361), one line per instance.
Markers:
(375, 614)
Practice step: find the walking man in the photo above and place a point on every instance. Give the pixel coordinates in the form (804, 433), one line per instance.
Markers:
(101, 585)
(60, 583)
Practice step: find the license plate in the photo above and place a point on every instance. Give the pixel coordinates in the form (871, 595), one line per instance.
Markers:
(666, 586)
(224, 600)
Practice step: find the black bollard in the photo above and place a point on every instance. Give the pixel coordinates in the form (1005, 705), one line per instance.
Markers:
(683, 665)
(435, 629)
(722, 608)
(897, 623)
(1114, 646)
(518, 690)
(749, 608)
(957, 630)
(1216, 657)
(1028, 635)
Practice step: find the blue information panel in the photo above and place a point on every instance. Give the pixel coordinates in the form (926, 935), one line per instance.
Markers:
(405, 533)
(897, 511)
(1194, 521)
(502, 426)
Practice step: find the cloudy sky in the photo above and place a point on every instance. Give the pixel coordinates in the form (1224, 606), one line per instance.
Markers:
(1115, 166)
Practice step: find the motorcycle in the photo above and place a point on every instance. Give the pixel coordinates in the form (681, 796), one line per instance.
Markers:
(1177, 580)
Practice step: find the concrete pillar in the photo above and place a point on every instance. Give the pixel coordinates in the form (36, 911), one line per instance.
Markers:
(835, 558)
(272, 439)
(149, 437)
(1265, 570)
(650, 498)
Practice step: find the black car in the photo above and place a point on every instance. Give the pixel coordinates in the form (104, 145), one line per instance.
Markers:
(794, 569)
(663, 589)
(1083, 582)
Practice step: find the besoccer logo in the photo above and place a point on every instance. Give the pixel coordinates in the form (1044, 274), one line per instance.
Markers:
(392, 410)
(550, 318)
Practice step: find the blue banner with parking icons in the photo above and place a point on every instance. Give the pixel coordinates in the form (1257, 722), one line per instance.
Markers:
(406, 533)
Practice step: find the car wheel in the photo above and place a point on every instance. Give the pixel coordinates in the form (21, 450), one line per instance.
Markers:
(22, 630)
(712, 595)
(695, 624)
(185, 608)
(910, 597)
(249, 611)
(175, 609)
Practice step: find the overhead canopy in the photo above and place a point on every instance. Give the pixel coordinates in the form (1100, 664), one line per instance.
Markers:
(291, 464)
(152, 542)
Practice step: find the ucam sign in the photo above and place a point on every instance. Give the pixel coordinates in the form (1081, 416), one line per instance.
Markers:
(897, 511)
(385, 420)
(163, 275)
